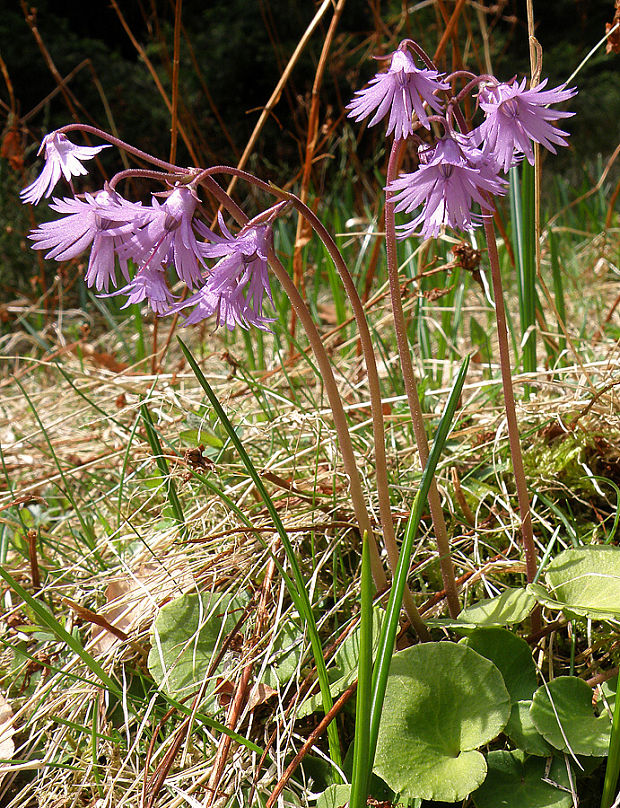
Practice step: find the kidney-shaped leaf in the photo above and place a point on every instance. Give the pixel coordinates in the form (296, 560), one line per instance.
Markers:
(512, 606)
(511, 654)
(515, 782)
(584, 581)
(562, 712)
(185, 636)
(442, 702)
(522, 732)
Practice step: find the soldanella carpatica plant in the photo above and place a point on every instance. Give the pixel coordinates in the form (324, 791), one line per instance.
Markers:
(438, 720)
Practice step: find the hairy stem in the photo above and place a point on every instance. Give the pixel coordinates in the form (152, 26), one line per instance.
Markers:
(120, 144)
(385, 511)
(411, 389)
(511, 416)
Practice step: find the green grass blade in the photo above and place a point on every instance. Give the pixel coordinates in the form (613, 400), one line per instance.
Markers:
(361, 763)
(613, 758)
(162, 464)
(558, 289)
(47, 619)
(389, 627)
(299, 592)
(523, 229)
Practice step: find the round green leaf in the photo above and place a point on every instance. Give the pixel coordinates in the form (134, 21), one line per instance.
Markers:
(515, 782)
(512, 606)
(184, 637)
(511, 655)
(442, 702)
(563, 714)
(334, 797)
(584, 581)
(522, 732)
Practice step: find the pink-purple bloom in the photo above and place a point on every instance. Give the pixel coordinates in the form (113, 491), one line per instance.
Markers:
(167, 237)
(148, 284)
(515, 117)
(452, 176)
(61, 157)
(106, 220)
(236, 286)
(401, 92)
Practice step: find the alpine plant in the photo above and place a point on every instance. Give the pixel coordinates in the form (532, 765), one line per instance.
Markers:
(161, 247)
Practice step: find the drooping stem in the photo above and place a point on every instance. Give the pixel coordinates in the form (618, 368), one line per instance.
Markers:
(509, 404)
(411, 389)
(121, 144)
(385, 511)
(145, 173)
(378, 428)
(340, 422)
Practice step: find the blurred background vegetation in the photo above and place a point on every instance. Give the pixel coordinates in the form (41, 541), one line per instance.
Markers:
(232, 55)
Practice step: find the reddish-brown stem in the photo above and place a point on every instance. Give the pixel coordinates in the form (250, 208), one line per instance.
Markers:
(149, 158)
(340, 420)
(411, 389)
(371, 368)
(527, 531)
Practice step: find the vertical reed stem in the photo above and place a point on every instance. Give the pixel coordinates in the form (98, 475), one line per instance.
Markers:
(411, 389)
(527, 531)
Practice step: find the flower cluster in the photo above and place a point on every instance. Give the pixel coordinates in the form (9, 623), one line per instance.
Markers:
(156, 241)
(463, 167)
(156, 245)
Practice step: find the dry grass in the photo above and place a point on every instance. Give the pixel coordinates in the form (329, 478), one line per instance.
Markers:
(124, 557)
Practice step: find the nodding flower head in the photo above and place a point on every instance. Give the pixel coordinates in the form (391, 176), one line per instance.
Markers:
(452, 176)
(167, 237)
(148, 284)
(401, 92)
(61, 157)
(236, 286)
(106, 220)
(516, 117)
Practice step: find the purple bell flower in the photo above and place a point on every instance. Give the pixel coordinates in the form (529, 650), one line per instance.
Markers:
(401, 91)
(515, 117)
(234, 290)
(452, 176)
(167, 237)
(61, 157)
(148, 284)
(106, 220)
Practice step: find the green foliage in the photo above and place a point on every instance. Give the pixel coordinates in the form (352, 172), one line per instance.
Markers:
(334, 797)
(185, 638)
(343, 670)
(523, 733)
(583, 581)
(512, 606)
(443, 702)
(562, 712)
(511, 655)
(516, 781)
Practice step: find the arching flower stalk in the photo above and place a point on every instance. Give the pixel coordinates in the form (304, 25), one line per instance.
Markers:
(166, 239)
(458, 172)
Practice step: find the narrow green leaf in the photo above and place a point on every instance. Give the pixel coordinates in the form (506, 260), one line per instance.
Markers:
(613, 759)
(361, 765)
(390, 623)
(162, 464)
(298, 591)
